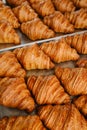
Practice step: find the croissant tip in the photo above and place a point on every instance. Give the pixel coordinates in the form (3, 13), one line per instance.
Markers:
(58, 72)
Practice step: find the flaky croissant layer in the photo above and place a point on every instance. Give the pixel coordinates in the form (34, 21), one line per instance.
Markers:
(8, 34)
(73, 79)
(9, 66)
(81, 104)
(15, 2)
(36, 29)
(14, 94)
(21, 123)
(79, 42)
(58, 22)
(64, 5)
(7, 14)
(59, 51)
(47, 90)
(33, 57)
(62, 117)
(24, 12)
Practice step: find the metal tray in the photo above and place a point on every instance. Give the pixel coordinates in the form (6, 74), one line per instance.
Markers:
(25, 41)
(4, 111)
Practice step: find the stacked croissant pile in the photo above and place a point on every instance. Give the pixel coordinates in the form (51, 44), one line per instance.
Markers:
(41, 19)
(50, 95)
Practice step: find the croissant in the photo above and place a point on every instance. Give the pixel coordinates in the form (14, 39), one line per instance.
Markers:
(79, 42)
(64, 5)
(77, 18)
(14, 94)
(21, 123)
(59, 51)
(80, 3)
(47, 90)
(8, 34)
(81, 103)
(73, 79)
(7, 14)
(82, 63)
(24, 12)
(15, 3)
(44, 7)
(36, 29)
(33, 57)
(62, 117)
(9, 66)
(58, 23)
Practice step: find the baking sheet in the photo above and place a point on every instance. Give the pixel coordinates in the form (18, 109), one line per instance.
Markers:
(4, 111)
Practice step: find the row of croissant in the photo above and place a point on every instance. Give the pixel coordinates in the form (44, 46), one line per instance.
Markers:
(46, 91)
(42, 56)
(24, 17)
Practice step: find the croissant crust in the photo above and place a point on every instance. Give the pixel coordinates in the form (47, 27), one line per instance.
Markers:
(21, 123)
(47, 90)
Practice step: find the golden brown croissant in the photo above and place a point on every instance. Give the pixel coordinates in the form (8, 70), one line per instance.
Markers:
(82, 63)
(59, 51)
(24, 12)
(36, 29)
(64, 5)
(58, 23)
(79, 42)
(14, 94)
(15, 2)
(8, 34)
(33, 57)
(77, 18)
(9, 66)
(47, 90)
(80, 3)
(21, 123)
(44, 7)
(62, 117)
(73, 79)
(81, 104)
(7, 14)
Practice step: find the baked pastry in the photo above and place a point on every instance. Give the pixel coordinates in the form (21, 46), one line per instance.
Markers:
(73, 79)
(8, 34)
(14, 94)
(33, 57)
(36, 29)
(44, 7)
(77, 18)
(62, 117)
(9, 66)
(82, 63)
(64, 5)
(24, 12)
(81, 104)
(59, 51)
(21, 123)
(80, 3)
(7, 14)
(47, 90)
(58, 22)
(15, 3)
(79, 42)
